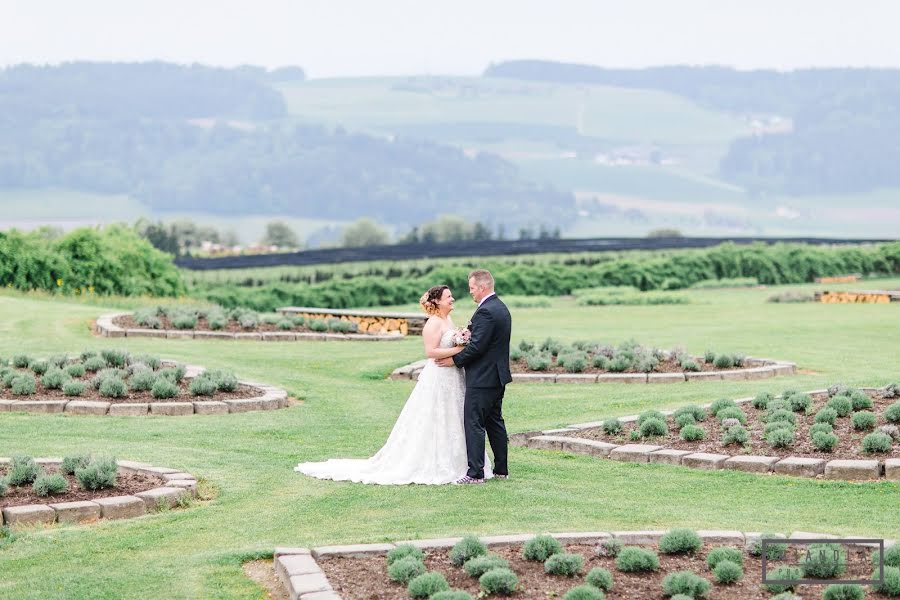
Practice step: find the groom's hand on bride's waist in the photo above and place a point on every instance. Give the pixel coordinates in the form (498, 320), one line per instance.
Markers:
(444, 362)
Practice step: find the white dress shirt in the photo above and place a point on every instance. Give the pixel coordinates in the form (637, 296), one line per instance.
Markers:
(485, 298)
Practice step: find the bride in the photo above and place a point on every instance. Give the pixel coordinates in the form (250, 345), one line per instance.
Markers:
(428, 443)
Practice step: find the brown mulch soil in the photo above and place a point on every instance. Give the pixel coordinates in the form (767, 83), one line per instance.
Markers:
(848, 446)
(132, 396)
(128, 322)
(664, 366)
(263, 573)
(366, 578)
(126, 484)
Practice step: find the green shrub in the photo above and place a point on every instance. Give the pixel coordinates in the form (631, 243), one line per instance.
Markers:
(76, 370)
(653, 427)
(724, 361)
(480, 565)
(680, 541)
(152, 362)
(637, 560)
(24, 384)
(576, 364)
(774, 551)
(113, 387)
(736, 434)
(515, 354)
(40, 367)
(22, 470)
(47, 485)
(3, 487)
(21, 361)
(405, 569)
(619, 364)
(609, 547)
(452, 595)
(778, 404)
(891, 557)
(73, 388)
(687, 583)
(784, 573)
(682, 420)
(823, 427)
(892, 413)
(727, 572)
(762, 399)
(164, 388)
(717, 555)
(427, 585)
(690, 365)
(537, 362)
(142, 381)
(826, 415)
(691, 409)
(175, 374)
(824, 442)
(841, 405)
(824, 561)
(466, 549)
(864, 420)
(709, 357)
(781, 415)
(876, 442)
(318, 325)
(73, 462)
(892, 390)
(635, 435)
(115, 358)
(499, 581)
(584, 592)
(54, 378)
(721, 404)
(8, 375)
(94, 364)
(860, 400)
(844, 591)
(404, 551)
(650, 414)
(891, 585)
(203, 386)
(780, 438)
(98, 474)
(526, 346)
(800, 402)
(770, 427)
(692, 433)
(564, 563)
(732, 412)
(600, 579)
(541, 547)
(612, 426)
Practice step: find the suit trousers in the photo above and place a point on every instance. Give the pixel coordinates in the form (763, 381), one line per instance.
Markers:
(483, 413)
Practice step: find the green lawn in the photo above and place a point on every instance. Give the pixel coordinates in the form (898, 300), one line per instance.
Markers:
(348, 410)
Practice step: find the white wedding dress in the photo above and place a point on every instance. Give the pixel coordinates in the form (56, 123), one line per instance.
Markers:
(428, 442)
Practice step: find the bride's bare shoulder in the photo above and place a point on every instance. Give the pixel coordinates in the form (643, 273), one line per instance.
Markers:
(433, 324)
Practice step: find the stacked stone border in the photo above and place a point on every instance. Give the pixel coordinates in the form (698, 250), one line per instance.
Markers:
(848, 470)
(178, 484)
(391, 323)
(105, 327)
(270, 398)
(299, 571)
(759, 368)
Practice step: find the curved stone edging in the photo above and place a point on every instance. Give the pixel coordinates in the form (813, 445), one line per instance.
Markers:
(799, 466)
(761, 368)
(299, 571)
(105, 327)
(178, 483)
(271, 398)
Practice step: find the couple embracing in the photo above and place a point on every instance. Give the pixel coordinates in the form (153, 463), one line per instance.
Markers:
(439, 436)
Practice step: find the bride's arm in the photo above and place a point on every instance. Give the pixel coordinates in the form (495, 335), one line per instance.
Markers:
(431, 335)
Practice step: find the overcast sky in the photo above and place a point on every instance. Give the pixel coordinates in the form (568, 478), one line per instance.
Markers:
(331, 38)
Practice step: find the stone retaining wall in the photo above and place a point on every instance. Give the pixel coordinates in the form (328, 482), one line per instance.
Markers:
(269, 398)
(178, 484)
(391, 323)
(299, 571)
(850, 470)
(758, 368)
(104, 326)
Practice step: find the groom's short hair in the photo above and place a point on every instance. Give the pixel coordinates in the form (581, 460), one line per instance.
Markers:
(483, 278)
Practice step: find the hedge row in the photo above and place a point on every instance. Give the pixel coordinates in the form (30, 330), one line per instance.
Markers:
(775, 264)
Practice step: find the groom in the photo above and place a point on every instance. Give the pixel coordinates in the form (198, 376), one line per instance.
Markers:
(486, 360)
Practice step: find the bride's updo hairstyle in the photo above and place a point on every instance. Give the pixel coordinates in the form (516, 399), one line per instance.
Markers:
(429, 300)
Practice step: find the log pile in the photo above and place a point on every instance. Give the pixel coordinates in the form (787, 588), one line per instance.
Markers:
(857, 297)
(839, 279)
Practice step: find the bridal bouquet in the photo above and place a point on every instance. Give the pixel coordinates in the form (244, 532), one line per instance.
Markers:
(461, 336)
